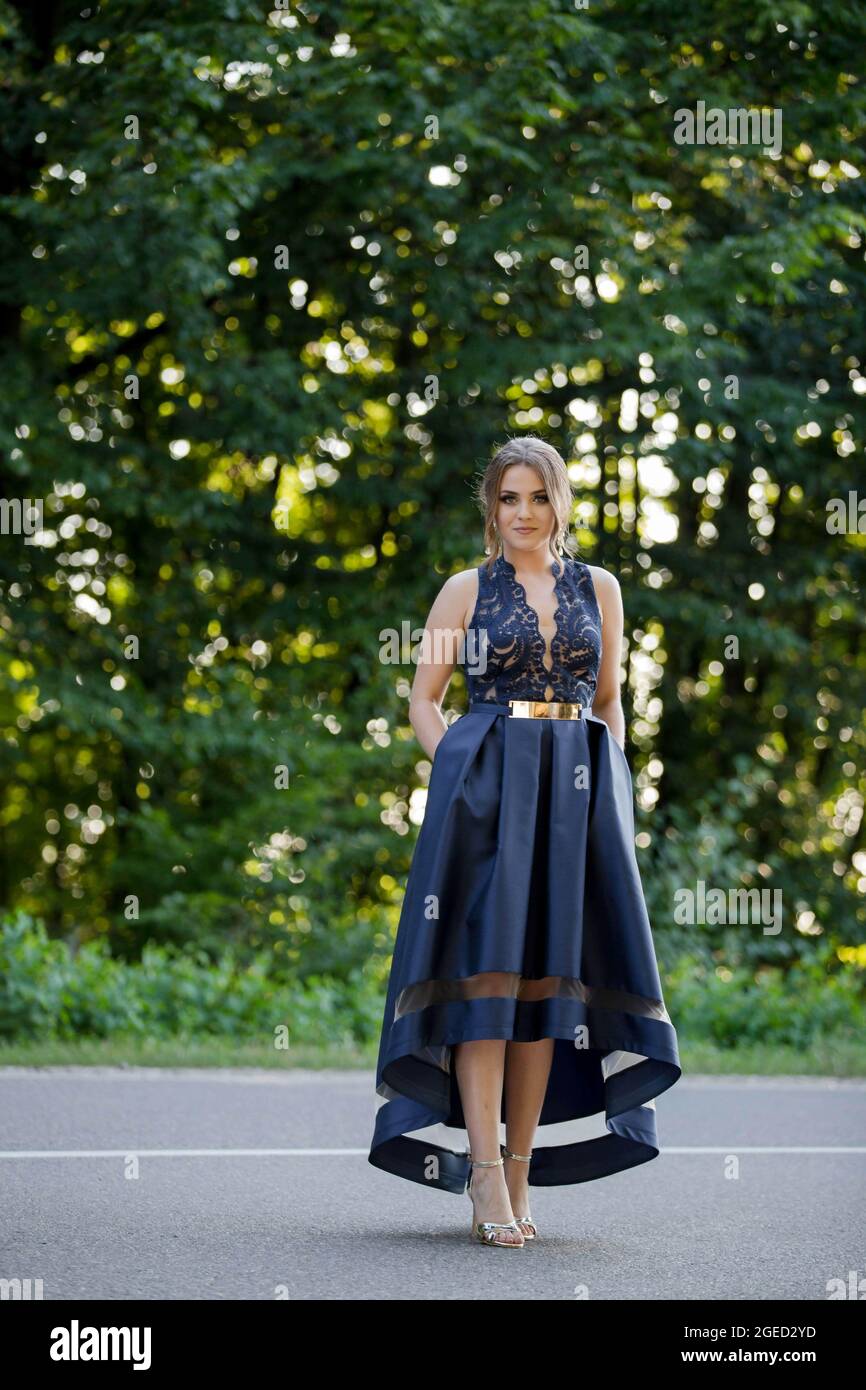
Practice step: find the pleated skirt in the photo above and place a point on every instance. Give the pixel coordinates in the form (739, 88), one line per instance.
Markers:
(524, 881)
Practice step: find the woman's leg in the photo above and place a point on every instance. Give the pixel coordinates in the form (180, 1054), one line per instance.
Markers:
(479, 1068)
(527, 1070)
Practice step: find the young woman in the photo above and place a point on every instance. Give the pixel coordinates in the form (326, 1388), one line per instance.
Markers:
(524, 986)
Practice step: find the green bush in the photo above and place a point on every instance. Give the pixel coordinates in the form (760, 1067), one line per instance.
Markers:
(49, 991)
(733, 1007)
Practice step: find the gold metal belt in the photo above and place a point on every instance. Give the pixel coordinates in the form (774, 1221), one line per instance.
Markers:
(545, 709)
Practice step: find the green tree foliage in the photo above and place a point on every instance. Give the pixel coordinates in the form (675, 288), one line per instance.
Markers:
(272, 287)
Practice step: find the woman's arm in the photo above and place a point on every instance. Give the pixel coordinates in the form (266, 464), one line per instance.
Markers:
(607, 704)
(440, 652)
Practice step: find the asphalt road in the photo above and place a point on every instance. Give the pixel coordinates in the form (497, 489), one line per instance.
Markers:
(102, 1217)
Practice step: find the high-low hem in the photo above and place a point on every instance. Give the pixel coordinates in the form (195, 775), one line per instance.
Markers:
(619, 1077)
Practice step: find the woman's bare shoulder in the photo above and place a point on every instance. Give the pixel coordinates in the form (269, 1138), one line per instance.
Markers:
(607, 594)
(605, 581)
(457, 597)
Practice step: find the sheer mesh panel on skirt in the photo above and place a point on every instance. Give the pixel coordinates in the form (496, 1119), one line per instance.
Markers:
(524, 918)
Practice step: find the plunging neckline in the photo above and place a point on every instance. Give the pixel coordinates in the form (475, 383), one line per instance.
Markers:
(557, 580)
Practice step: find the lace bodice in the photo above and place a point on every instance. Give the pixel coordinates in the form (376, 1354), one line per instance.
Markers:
(505, 648)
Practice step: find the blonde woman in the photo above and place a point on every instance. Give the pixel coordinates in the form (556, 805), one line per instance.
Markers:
(524, 988)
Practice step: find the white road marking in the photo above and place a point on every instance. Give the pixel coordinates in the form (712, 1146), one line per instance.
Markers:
(732, 1148)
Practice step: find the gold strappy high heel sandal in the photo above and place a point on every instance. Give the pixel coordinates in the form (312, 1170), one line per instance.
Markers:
(485, 1231)
(522, 1221)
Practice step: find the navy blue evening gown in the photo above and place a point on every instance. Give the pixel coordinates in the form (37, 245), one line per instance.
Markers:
(525, 866)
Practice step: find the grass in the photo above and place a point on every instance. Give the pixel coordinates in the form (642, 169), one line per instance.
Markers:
(828, 1057)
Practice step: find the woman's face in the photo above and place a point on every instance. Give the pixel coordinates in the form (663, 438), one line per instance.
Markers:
(524, 514)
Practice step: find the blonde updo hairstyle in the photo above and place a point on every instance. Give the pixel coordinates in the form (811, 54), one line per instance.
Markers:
(549, 465)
